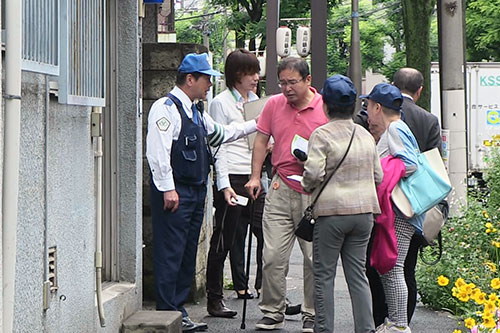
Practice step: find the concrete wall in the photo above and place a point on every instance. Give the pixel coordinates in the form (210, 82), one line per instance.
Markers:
(70, 208)
(129, 88)
(70, 213)
(160, 62)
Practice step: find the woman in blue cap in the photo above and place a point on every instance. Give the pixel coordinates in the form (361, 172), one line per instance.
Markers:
(344, 210)
(398, 142)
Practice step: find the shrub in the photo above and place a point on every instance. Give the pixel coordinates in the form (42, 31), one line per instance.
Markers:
(466, 280)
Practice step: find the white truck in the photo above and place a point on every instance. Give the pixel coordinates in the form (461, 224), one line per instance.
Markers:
(482, 91)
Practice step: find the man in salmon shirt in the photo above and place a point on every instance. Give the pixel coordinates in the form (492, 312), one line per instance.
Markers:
(290, 118)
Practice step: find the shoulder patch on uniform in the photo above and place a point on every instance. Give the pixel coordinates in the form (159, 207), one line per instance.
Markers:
(163, 124)
(169, 102)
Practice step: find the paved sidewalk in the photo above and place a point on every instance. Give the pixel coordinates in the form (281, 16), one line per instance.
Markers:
(424, 320)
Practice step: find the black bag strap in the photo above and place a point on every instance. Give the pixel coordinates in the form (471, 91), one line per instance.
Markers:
(327, 179)
(445, 209)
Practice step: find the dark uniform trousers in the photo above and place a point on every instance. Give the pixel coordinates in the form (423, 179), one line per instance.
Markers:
(175, 234)
(175, 243)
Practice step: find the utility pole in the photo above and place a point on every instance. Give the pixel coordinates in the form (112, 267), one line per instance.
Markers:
(319, 12)
(355, 55)
(226, 32)
(205, 32)
(273, 14)
(206, 40)
(451, 71)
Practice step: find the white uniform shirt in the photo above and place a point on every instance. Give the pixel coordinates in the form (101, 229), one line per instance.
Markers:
(233, 157)
(164, 126)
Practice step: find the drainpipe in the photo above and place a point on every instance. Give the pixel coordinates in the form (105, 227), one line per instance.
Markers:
(96, 132)
(46, 282)
(12, 130)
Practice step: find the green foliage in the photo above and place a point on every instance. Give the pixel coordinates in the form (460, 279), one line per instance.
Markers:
(492, 178)
(465, 252)
(186, 33)
(372, 38)
(417, 25)
(398, 60)
(338, 40)
(471, 245)
(191, 31)
(483, 30)
(245, 19)
(394, 23)
(373, 34)
(433, 39)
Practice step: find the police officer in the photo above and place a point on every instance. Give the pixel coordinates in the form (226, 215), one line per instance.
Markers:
(179, 159)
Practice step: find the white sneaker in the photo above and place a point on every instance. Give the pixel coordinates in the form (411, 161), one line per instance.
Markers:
(391, 327)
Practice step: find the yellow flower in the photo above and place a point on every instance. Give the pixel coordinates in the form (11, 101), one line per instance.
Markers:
(454, 291)
(488, 322)
(469, 287)
(457, 331)
(485, 214)
(489, 307)
(495, 244)
(459, 282)
(491, 266)
(475, 292)
(495, 283)
(443, 280)
(480, 298)
(489, 228)
(493, 297)
(463, 296)
(463, 289)
(469, 323)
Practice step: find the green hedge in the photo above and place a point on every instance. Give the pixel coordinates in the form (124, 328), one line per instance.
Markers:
(465, 281)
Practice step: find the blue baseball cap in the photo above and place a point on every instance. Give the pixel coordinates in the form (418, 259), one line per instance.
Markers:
(387, 95)
(197, 63)
(338, 90)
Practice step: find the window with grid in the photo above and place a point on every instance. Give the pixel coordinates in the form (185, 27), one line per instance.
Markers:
(40, 36)
(81, 77)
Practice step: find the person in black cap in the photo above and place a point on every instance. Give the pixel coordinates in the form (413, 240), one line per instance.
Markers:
(397, 140)
(346, 205)
(179, 133)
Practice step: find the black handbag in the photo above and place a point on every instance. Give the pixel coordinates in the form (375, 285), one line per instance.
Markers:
(306, 225)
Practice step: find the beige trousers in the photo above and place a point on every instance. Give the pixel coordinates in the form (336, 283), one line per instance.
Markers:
(283, 211)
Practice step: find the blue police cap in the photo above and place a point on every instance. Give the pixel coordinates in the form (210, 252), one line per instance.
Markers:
(338, 90)
(387, 95)
(197, 63)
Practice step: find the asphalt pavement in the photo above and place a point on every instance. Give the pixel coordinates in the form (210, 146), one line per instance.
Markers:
(424, 319)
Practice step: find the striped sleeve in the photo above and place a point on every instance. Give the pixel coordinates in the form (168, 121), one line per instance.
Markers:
(216, 138)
